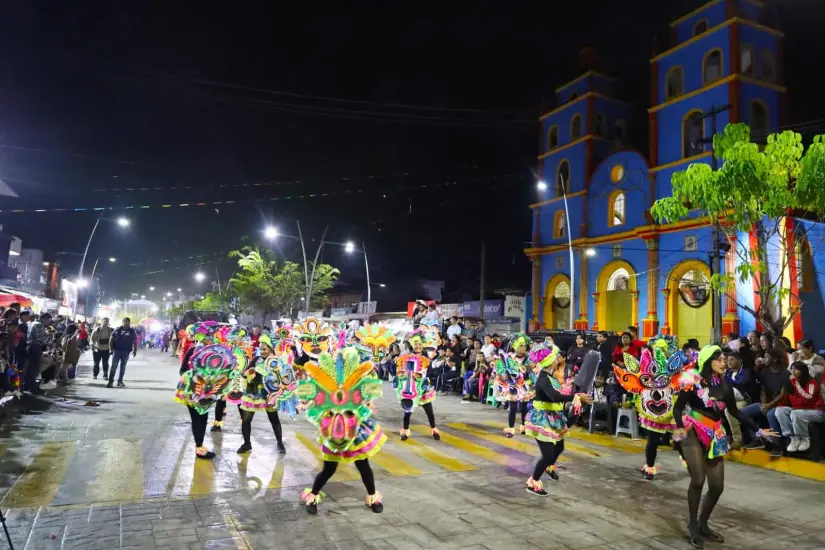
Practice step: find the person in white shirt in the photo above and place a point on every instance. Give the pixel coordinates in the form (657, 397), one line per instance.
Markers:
(454, 329)
(488, 349)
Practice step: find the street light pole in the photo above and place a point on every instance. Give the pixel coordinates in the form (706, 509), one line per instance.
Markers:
(306, 267)
(88, 244)
(570, 249)
(314, 265)
(367, 266)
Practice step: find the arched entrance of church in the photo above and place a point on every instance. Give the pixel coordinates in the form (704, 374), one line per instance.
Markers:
(557, 303)
(690, 314)
(616, 305)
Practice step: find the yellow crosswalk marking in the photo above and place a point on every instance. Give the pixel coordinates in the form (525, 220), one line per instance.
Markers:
(394, 465)
(473, 448)
(40, 482)
(568, 445)
(343, 473)
(520, 445)
(437, 457)
(119, 470)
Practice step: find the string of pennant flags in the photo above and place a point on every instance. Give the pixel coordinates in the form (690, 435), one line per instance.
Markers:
(202, 204)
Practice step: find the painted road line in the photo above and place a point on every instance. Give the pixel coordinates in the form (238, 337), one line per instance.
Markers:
(119, 469)
(473, 448)
(568, 445)
(343, 473)
(39, 483)
(520, 445)
(393, 465)
(437, 457)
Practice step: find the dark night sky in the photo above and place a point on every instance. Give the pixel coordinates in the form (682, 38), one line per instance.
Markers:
(110, 95)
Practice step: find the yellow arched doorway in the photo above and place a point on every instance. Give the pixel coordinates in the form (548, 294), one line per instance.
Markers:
(616, 285)
(690, 311)
(557, 302)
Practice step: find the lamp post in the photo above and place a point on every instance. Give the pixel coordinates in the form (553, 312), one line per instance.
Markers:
(542, 186)
(272, 233)
(121, 221)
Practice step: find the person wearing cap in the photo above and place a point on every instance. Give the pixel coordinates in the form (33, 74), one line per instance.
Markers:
(547, 421)
(699, 412)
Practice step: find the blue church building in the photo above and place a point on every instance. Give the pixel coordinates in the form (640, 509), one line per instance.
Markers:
(629, 270)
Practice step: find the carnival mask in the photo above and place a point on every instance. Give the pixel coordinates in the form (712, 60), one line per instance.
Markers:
(213, 368)
(278, 378)
(338, 394)
(652, 377)
(377, 338)
(412, 370)
(314, 336)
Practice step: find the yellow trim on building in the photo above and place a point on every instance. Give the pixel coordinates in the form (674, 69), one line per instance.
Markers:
(601, 287)
(567, 145)
(721, 25)
(670, 71)
(672, 282)
(573, 119)
(556, 199)
(611, 208)
(578, 99)
(559, 230)
(582, 77)
(549, 293)
(720, 82)
(685, 119)
(694, 12)
(688, 160)
(705, 58)
(630, 234)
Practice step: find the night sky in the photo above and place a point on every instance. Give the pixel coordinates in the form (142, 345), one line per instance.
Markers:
(381, 103)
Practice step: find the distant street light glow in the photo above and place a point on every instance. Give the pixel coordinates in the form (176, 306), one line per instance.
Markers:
(382, 285)
(179, 290)
(541, 186)
(199, 276)
(112, 260)
(270, 232)
(349, 247)
(590, 252)
(123, 222)
(82, 283)
(151, 289)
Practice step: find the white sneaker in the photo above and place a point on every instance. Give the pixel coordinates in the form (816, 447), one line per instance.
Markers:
(49, 385)
(804, 444)
(793, 446)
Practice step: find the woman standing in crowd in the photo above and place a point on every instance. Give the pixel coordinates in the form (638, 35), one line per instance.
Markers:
(699, 411)
(805, 406)
(575, 355)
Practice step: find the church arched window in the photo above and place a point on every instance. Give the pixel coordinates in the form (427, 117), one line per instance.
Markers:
(575, 127)
(562, 178)
(693, 132)
(712, 66)
(674, 83)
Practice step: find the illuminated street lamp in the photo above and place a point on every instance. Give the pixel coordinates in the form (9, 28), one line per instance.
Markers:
(349, 247)
(271, 232)
(541, 185)
(590, 252)
(200, 277)
(123, 222)
(82, 283)
(151, 289)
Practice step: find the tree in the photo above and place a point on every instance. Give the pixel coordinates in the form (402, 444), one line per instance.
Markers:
(273, 287)
(755, 192)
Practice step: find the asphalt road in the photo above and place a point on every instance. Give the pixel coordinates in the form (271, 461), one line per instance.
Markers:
(123, 475)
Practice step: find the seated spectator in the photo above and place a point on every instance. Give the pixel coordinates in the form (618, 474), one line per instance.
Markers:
(765, 344)
(449, 373)
(489, 348)
(774, 386)
(626, 346)
(437, 365)
(805, 354)
(745, 390)
(805, 407)
(605, 349)
(605, 398)
(474, 377)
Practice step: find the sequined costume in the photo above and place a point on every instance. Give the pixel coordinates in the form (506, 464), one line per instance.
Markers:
(412, 384)
(512, 384)
(653, 379)
(339, 391)
(547, 421)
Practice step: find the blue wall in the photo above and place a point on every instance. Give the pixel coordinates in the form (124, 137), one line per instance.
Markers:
(574, 156)
(770, 97)
(690, 59)
(671, 117)
(714, 14)
(562, 119)
(634, 252)
(635, 185)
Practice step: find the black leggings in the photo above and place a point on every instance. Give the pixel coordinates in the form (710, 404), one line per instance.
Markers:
(330, 467)
(702, 468)
(428, 408)
(199, 422)
(220, 408)
(654, 439)
(514, 407)
(246, 426)
(550, 452)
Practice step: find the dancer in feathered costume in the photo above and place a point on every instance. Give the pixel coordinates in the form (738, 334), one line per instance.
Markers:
(699, 414)
(203, 383)
(653, 379)
(547, 421)
(339, 391)
(235, 338)
(268, 385)
(412, 383)
(513, 385)
(377, 338)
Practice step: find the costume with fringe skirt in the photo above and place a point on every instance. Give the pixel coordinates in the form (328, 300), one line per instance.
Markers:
(412, 384)
(339, 393)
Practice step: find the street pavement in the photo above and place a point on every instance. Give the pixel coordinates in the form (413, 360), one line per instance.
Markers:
(123, 475)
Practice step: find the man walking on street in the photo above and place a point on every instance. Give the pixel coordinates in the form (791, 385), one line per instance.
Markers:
(37, 342)
(100, 347)
(124, 340)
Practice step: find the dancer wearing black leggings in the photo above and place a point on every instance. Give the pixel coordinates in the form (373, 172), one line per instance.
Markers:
(407, 404)
(413, 386)
(255, 396)
(699, 413)
(547, 421)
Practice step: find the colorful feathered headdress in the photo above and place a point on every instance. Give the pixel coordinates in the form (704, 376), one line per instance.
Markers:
(520, 340)
(377, 338)
(544, 354)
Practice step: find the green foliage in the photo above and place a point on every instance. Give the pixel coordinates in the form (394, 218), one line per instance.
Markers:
(753, 190)
(276, 287)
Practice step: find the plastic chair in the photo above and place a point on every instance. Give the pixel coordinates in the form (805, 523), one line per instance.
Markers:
(632, 428)
(491, 398)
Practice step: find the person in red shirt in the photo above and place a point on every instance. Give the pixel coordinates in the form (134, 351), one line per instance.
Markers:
(634, 335)
(626, 346)
(806, 406)
(255, 336)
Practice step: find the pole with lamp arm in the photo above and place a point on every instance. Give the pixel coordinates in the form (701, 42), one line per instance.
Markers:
(542, 186)
(314, 265)
(306, 267)
(367, 267)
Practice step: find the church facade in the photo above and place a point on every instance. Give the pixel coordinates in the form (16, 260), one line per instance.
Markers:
(722, 66)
